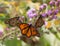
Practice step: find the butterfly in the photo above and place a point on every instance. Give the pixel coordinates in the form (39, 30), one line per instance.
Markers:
(13, 21)
(27, 29)
(30, 30)
(39, 22)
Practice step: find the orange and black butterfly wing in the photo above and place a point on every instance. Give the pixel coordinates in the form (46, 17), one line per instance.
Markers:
(33, 31)
(29, 33)
(28, 30)
(39, 21)
(24, 28)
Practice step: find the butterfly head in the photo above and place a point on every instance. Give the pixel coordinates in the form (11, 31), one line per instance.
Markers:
(30, 24)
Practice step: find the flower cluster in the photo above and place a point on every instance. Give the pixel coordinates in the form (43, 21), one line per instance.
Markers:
(31, 13)
(54, 3)
(50, 13)
(43, 6)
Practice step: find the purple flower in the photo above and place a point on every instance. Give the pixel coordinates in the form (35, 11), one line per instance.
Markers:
(44, 14)
(57, 3)
(43, 6)
(58, 0)
(31, 13)
(1, 33)
(49, 12)
(52, 3)
(52, 12)
(54, 17)
(7, 28)
(45, 23)
(56, 11)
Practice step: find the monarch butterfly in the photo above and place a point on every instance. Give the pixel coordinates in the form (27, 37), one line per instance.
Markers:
(13, 21)
(30, 30)
(27, 29)
(39, 22)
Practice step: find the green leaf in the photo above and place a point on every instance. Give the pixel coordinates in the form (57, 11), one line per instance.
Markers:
(12, 42)
(55, 33)
(19, 43)
(3, 16)
(44, 42)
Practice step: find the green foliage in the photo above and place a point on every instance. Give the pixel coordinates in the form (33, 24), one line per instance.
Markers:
(41, 1)
(44, 42)
(3, 16)
(47, 1)
(13, 42)
(55, 33)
